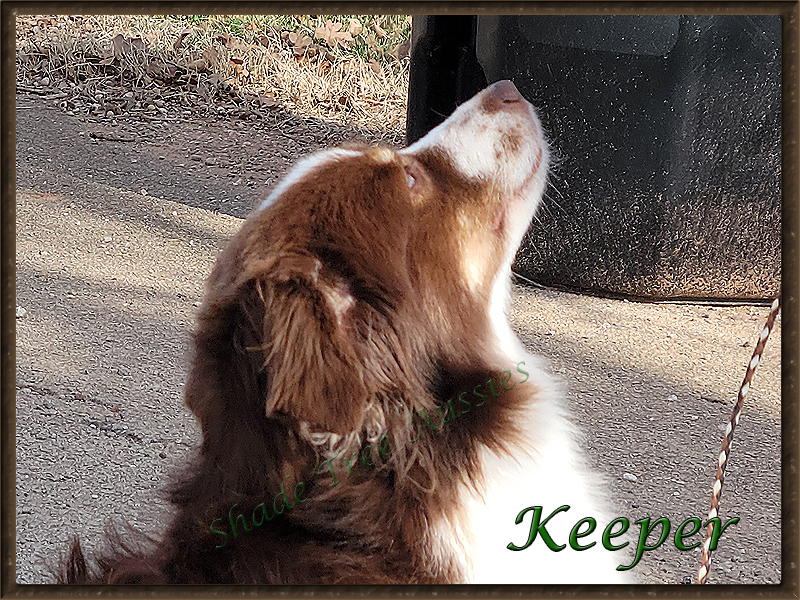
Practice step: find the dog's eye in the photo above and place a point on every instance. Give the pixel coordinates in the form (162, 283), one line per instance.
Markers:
(413, 173)
(417, 180)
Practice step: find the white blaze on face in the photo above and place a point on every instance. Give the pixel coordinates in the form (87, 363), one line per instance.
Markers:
(302, 168)
(472, 138)
(476, 140)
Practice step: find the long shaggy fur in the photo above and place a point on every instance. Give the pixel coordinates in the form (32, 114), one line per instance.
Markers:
(364, 292)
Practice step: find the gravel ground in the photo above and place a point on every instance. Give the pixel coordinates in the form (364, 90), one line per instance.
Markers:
(114, 240)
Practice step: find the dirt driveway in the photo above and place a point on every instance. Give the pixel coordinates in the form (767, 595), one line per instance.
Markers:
(117, 227)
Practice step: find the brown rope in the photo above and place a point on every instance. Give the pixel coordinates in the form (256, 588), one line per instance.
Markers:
(705, 559)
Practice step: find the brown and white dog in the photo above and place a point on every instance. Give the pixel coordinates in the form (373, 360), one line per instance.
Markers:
(366, 294)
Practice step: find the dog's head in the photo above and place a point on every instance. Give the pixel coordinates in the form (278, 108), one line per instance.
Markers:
(366, 265)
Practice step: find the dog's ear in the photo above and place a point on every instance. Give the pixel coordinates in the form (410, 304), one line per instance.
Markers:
(309, 344)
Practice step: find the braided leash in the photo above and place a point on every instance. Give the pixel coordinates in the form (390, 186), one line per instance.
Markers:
(705, 559)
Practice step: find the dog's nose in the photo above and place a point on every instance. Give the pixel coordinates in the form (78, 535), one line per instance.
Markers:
(503, 96)
(506, 92)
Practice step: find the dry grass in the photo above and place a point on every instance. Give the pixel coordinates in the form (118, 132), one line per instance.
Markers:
(293, 62)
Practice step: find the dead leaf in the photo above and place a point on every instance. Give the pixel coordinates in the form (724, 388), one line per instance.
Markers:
(299, 42)
(263, 40)
(211, 55)
(267, 101)
(355, 27)
(371, 42)
(237, 66)
(158, 69)
(203, 89)
(197, 65)
(378, 30)
(179, 42)
(122, 46)
(231, 42)
(299, 39)
(376, 68)
(332, 34)
(401, 50)
(108, 61)
(154, 70)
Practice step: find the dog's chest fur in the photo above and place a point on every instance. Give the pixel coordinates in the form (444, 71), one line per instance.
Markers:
(546, 469)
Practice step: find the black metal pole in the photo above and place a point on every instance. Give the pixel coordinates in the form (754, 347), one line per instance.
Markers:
(444, 70)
